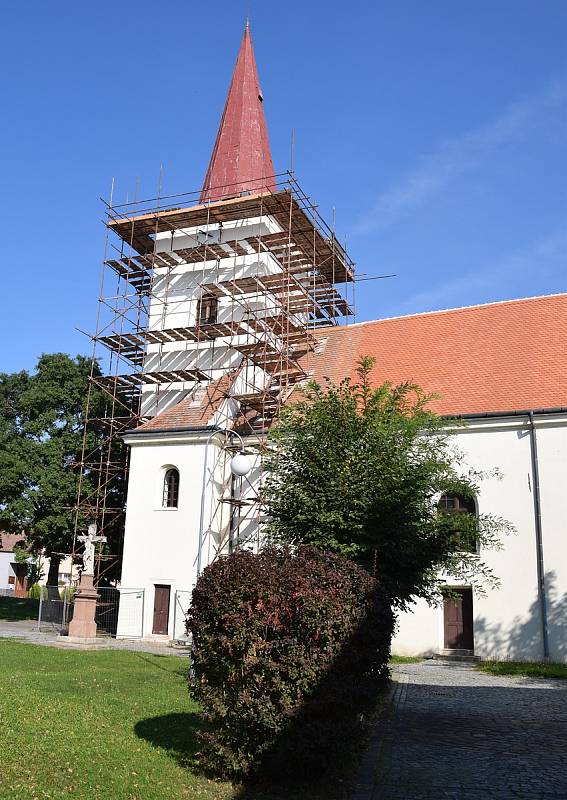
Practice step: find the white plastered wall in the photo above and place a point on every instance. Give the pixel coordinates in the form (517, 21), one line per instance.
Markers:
(507, 621)
(161, 545)
(175, 295)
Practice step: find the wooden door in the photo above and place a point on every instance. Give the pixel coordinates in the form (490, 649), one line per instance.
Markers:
(458, 618)
(161, 608)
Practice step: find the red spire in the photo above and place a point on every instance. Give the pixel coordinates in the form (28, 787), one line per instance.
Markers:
(241, 160)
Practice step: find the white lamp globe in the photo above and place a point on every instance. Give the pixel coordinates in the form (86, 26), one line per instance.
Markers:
(240, 465)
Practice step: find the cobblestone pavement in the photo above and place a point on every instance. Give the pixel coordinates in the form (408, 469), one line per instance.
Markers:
(457, 733)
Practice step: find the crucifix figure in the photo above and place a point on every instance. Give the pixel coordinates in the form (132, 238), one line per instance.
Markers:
(89, 555)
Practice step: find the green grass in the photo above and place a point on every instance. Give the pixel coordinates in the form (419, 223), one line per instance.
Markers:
(106, 725)
(405, 659)
(15, 609)
(530, 670)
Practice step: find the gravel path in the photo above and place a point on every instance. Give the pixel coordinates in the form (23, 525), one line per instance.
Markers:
(453, 732)
(26, 630)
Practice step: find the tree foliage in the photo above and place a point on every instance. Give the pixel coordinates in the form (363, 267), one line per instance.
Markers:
(41, 437)
(359, 471)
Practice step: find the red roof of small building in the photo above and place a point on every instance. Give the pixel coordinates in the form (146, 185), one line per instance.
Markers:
(241, 160)
(196, 410)
(9, 540)
(506, 356)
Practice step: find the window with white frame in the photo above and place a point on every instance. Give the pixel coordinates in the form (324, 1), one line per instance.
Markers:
(170, 498)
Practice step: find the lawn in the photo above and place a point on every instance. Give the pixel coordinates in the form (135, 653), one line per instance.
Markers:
(529, 670)
(405, 659)
(106, 725)
(18, 608)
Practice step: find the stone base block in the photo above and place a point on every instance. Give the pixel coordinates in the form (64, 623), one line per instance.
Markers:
(83, 625)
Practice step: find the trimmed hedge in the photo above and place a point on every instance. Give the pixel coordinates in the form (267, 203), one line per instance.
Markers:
(289, 649)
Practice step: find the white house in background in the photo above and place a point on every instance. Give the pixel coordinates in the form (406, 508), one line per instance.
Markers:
(12, 575)
(10, 582)
(502, 367)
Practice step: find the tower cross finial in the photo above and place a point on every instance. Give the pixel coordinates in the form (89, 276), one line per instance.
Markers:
(241, 160)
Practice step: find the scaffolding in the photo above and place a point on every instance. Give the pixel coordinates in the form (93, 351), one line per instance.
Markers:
(225, 294)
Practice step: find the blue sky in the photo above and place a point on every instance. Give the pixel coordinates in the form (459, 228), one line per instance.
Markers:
(437, 130)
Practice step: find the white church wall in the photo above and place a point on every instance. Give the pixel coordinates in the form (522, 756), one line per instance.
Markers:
(552, 457)
(507, 623)
(161, 545)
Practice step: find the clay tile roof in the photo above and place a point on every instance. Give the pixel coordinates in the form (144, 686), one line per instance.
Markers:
(9, 540)
(506, 356)
(241, 160)
(194, 411)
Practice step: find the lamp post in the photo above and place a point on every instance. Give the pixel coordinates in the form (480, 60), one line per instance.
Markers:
(240, 465)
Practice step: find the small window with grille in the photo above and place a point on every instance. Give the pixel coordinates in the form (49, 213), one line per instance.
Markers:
(171, 488)
(455, 504)
(207, 309)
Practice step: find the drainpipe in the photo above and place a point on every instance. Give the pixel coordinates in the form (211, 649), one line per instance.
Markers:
(539, 538)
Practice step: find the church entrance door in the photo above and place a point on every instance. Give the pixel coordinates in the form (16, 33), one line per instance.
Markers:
(161, 608)
(458, 620)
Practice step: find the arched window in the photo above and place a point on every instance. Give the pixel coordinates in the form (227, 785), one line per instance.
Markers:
(456, 504)
(171, 488)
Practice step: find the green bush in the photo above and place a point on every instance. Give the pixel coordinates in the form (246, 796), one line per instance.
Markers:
(34, 592)
(289, 648)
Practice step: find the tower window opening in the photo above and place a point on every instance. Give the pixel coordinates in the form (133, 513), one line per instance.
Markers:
(207, 309)
(171, 488)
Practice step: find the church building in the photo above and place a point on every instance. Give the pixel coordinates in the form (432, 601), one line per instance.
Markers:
(248, 296)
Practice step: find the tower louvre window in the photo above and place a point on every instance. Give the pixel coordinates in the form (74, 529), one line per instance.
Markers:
(171, 488)
(207, 309)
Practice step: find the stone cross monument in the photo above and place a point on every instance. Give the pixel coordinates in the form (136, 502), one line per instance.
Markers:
(83, 625)
(89, 555)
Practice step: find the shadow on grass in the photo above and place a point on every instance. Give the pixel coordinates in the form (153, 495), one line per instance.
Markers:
(175, 733)
(152, 659)
(16, 609)
(314, 758)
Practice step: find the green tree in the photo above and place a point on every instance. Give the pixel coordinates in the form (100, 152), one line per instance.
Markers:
(41, 437)
(359, 471)
(33, 562)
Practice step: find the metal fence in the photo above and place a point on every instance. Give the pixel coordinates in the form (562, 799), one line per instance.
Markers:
(55, 608)
(131, 606)
(181, 603)
(115, 609)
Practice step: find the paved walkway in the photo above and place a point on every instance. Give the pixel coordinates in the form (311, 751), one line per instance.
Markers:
(26, 630)
(455, 733)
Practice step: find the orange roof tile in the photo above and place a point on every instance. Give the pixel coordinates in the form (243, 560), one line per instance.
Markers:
(9, 540)
(505, 356)
(499, 357)
(194, 411)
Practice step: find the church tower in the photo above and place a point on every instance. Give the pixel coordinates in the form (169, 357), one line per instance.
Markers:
(209, 325)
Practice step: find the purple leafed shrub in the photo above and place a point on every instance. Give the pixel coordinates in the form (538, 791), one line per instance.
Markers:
(290, 648)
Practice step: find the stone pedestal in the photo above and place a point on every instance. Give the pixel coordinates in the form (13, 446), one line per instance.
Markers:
(83, 625)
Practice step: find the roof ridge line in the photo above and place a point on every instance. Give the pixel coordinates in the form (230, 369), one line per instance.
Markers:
(450, 310)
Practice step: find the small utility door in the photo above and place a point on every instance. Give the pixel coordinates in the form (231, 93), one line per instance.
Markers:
(458, 618)
(161, 608)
